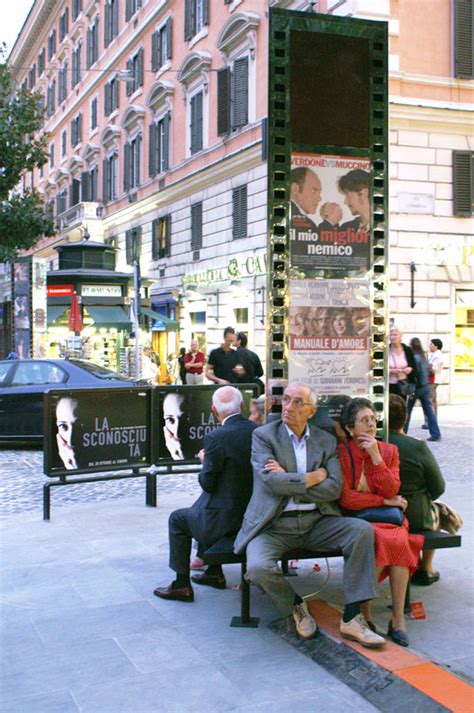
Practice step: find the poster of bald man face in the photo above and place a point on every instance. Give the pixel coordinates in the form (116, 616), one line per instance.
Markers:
(183, 417)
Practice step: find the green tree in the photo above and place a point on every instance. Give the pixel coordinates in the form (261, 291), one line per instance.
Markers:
(23, 215)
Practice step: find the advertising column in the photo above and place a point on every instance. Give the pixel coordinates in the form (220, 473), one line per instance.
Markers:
(328, 187)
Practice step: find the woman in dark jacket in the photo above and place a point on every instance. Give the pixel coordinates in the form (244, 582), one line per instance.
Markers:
(421, 483)
(403, 374)
(423, 392)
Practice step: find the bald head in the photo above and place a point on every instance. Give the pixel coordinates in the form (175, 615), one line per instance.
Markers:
(226, 401)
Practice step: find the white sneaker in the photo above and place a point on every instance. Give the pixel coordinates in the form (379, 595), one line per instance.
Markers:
(357, 630)
(305, 624)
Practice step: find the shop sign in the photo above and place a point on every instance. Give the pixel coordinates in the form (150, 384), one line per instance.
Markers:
(438, 254)
(101, 291)
(60, 290)
(237, 267)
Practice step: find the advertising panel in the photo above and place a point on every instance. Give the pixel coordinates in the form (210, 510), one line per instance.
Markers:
(183, 417)
(89, 430)
(329, 329)
(330, 213)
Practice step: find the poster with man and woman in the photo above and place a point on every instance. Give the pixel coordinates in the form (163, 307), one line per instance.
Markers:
(330, 214)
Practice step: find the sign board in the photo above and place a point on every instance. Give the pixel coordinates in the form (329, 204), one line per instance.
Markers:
(101, 291)
(182, 417)
(59, 290)
(93, 430)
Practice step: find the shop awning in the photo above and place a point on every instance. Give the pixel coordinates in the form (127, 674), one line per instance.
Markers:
(161, 323)
(113, 315)
(55, 312)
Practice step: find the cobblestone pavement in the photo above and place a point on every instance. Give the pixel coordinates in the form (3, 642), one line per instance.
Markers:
(21, 471)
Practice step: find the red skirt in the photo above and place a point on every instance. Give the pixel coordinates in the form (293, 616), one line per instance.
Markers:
(394, 546)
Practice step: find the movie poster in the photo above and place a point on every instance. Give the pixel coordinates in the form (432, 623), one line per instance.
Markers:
(22, 309)
(329, 329)
(89, 430)
(330, 213)
(183, 417)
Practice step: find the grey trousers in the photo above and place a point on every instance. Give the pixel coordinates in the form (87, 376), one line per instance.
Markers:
(313, 530)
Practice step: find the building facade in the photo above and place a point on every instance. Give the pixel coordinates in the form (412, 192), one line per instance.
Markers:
(157, 117)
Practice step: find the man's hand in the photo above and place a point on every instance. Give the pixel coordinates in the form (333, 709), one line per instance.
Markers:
(331, 212)
(201, 455)
(315, 477)
(273, 466)
(397, 502)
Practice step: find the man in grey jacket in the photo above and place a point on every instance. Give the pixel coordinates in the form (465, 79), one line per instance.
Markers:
(297, 481)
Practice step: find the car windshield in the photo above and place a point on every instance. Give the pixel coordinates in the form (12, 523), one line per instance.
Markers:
(98, 371)
(4, 369)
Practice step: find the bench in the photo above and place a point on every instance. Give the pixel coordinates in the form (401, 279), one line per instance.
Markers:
(222, 552)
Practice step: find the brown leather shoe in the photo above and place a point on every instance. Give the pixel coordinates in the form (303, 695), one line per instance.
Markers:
(210, 580)
(183, 594)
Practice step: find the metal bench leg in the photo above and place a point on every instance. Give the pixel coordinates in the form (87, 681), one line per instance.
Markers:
(287, 572)
(46, 501)
(244, 620)
(150, 492)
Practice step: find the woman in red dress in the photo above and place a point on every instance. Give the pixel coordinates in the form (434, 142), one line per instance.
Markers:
(370, 470)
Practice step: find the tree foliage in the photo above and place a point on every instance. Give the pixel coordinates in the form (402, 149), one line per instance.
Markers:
(23, 218)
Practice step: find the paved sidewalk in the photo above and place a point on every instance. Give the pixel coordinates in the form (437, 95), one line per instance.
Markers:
(82, 630)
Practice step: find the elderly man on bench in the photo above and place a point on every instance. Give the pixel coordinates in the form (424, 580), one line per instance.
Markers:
(297, 482)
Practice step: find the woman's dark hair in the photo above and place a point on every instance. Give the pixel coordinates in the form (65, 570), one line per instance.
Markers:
(350, 411)
(397, 412)
(416, 347)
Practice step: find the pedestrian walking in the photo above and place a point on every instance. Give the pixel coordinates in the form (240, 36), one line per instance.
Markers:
(422, 392)
(435, 368)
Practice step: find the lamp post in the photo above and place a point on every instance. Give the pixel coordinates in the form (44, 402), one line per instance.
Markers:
(136, 314)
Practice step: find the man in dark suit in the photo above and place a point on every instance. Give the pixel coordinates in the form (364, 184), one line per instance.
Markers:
(249, 367)
(297, 482)
(226, 479)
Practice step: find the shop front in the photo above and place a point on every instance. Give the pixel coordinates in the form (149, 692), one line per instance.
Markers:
(103, 333)
(233, 294)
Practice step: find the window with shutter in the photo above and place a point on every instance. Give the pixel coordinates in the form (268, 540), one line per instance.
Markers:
(133, 245)
(196, 123)
(94, 113)
(169, 38)
(239, 212)
(223, 101)
(240, 93)
(196, 16)
(75, 192)
(155, 52)
(161, 237)
(130, 85)
(105, 181)
(152, 169)
(139, 69)
(93, 179)
(196, 226)
(107, 24)
(115, 93)
(126, 168)
(463, 183)
(108, 99)
(41, 61)
(85, 186)
(463, 39)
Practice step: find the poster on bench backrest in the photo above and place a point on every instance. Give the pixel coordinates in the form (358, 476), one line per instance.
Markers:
(182, 417)
(100, 429)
